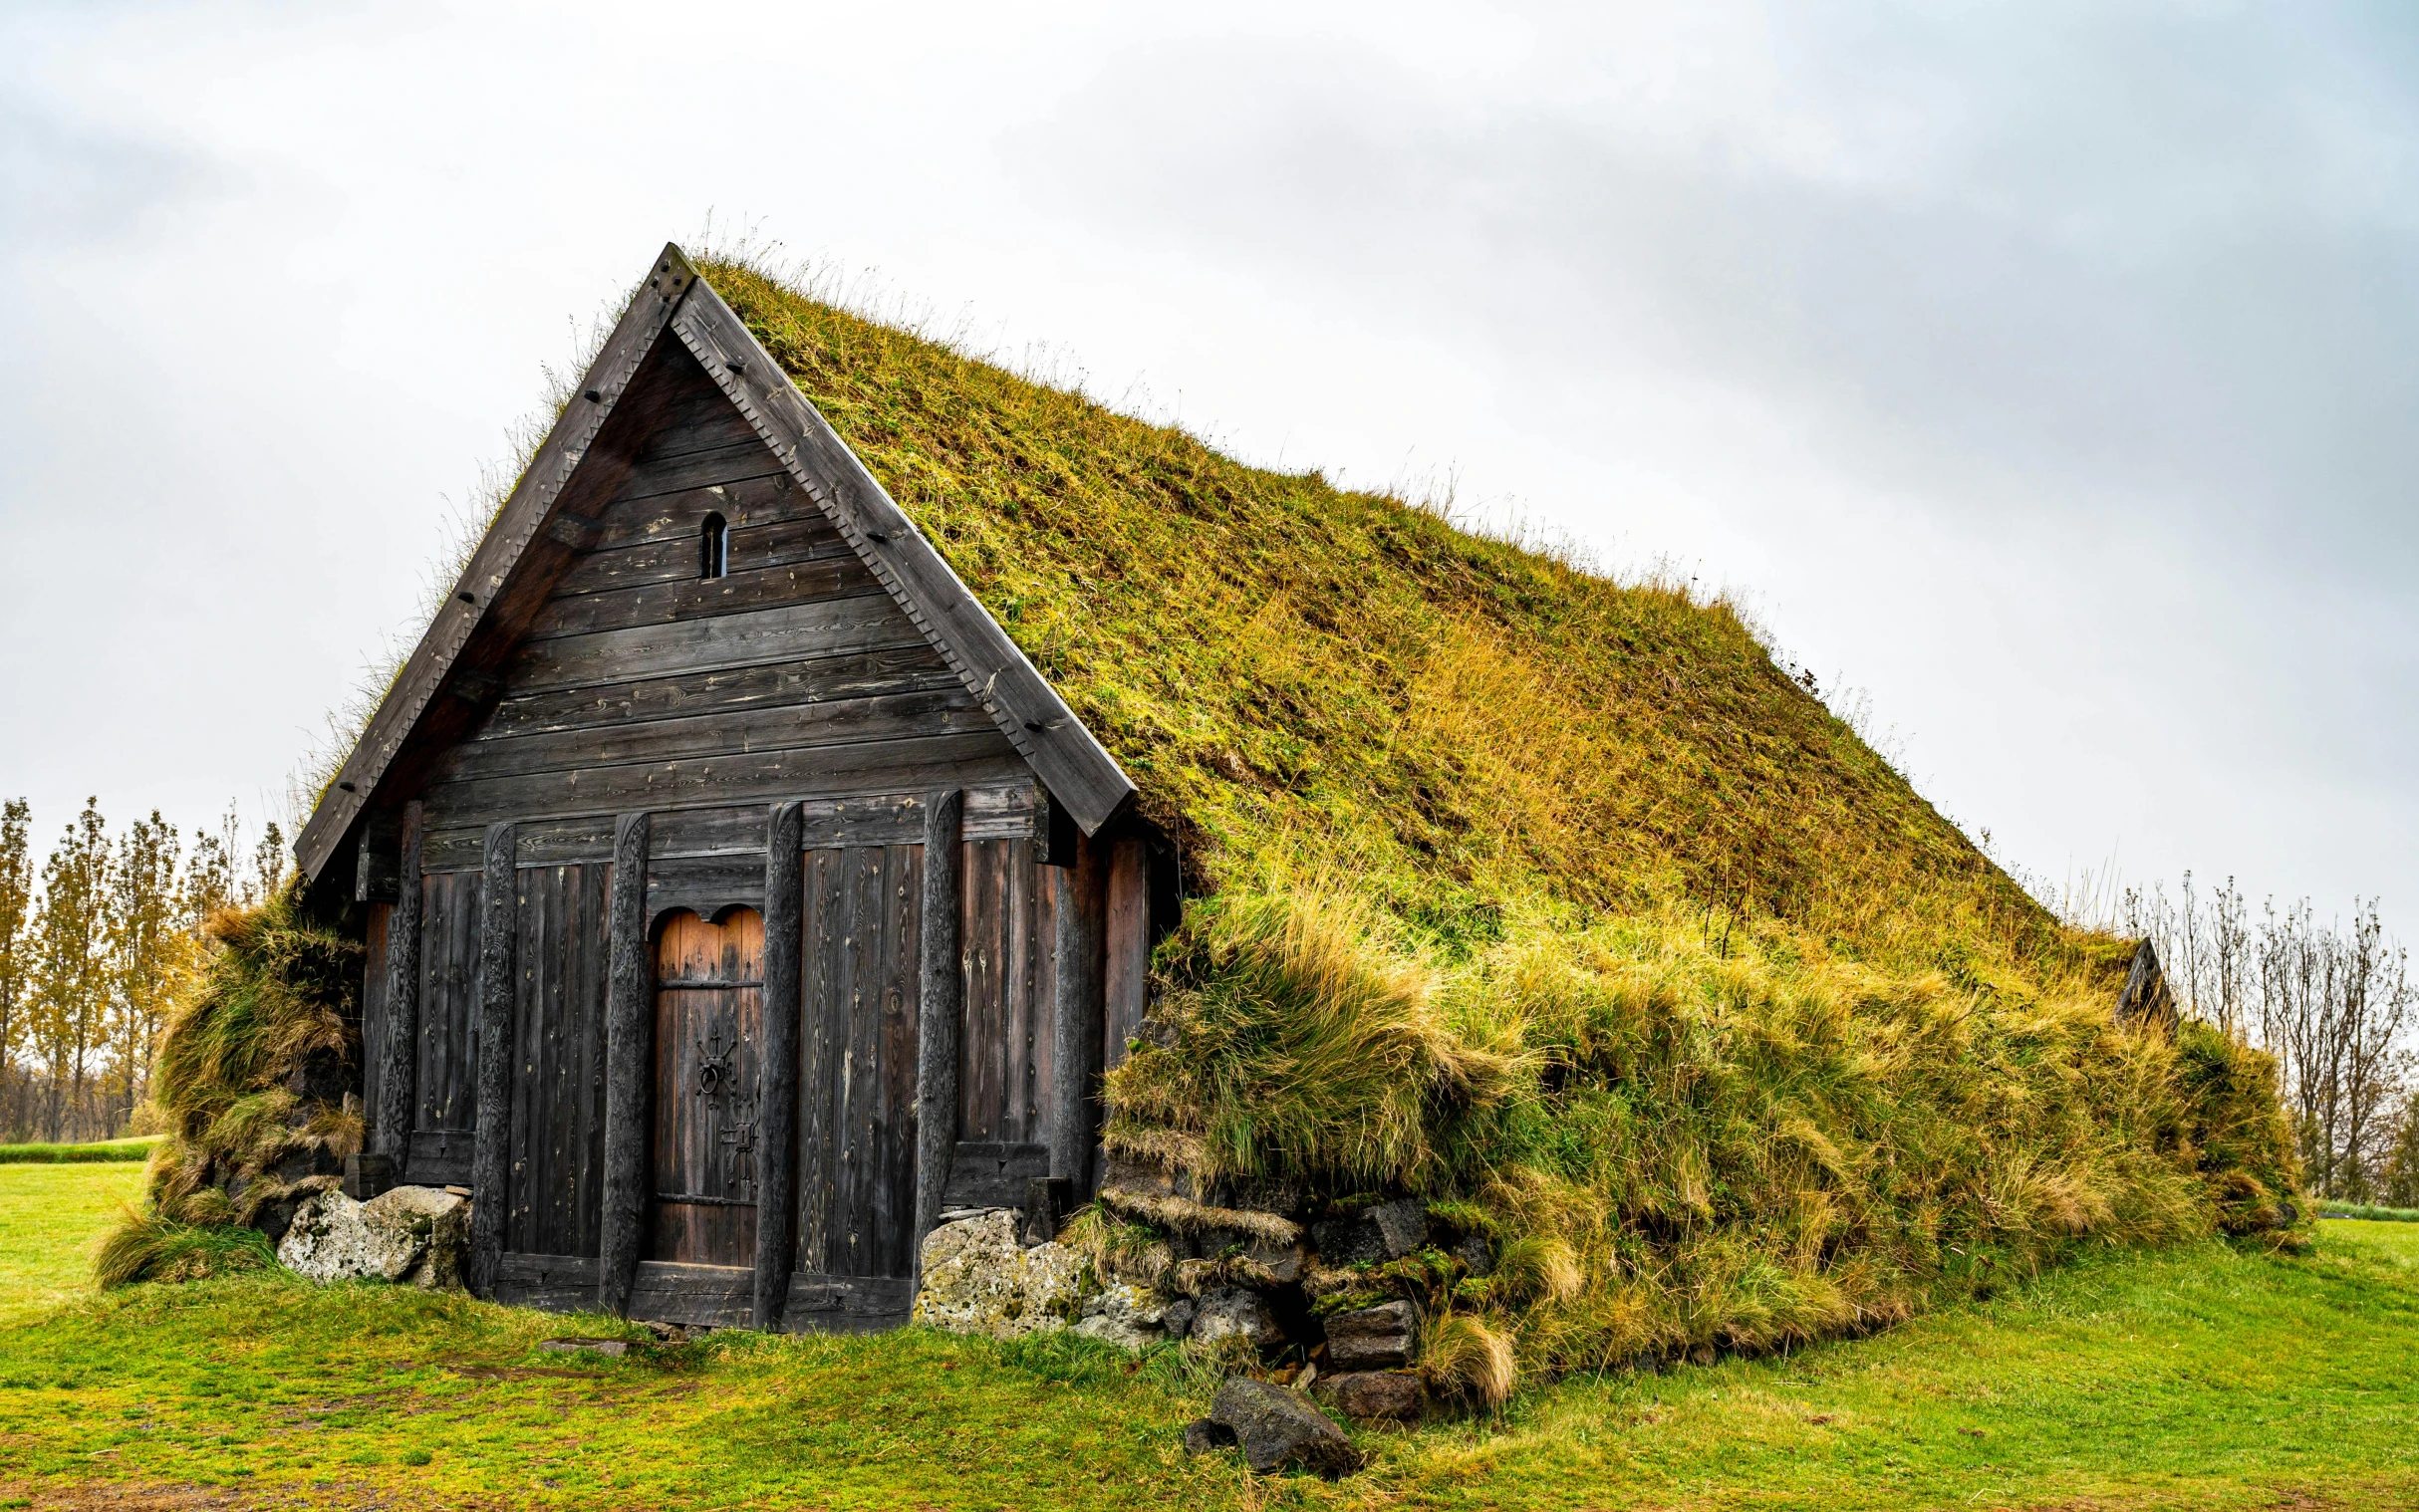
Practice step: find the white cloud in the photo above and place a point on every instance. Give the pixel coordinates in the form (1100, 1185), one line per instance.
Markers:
(2043, 371)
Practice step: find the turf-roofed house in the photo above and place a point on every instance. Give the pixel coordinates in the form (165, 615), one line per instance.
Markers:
(862, 810)
(713, 836)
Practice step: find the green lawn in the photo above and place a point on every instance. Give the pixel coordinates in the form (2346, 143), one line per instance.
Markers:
(2210, 1376)
(49, 1218)
(135, 1147)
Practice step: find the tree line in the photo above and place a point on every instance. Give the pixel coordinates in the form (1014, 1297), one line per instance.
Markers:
(94, 943)
(2331, 999)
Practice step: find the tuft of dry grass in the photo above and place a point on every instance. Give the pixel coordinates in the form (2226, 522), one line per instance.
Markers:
(250, 1079)
(1469, 1358)
(1678, 1150)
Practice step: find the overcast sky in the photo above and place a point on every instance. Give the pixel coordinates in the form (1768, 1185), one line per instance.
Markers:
(2046, 373)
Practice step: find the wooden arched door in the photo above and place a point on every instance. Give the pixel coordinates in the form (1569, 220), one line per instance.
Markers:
(710, 1018)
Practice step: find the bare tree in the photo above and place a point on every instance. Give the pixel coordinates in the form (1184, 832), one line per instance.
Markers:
(2333, 1002)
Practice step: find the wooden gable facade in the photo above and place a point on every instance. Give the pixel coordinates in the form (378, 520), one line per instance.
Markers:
(712, 839)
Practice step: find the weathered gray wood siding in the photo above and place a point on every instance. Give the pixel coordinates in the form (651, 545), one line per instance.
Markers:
(644, 686)
(557, 1066)
(374, 1000)
(1007, 942)
(856, 1080)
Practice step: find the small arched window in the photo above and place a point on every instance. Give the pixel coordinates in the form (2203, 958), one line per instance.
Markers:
(713, 548)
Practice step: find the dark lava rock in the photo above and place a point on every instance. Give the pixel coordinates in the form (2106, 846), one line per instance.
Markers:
(1283, 1263)
(1372, 1339)
(303, 1164)
(1475, 1254)
(1386, 1232)
(1374, 1395)
(1203, 1434)
(1401, 1225)
(1178, 1319)
(1349, 1242)
(1279, 1428)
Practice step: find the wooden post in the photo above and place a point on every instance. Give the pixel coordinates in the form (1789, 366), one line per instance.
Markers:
(492, 1145)
(777, 1066)
(629, 1068)
(1076, 1021)
(938, 1011)
(398, 1082)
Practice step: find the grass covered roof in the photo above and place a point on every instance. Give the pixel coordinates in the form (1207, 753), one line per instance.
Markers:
(1292, 671)
(1547, 896)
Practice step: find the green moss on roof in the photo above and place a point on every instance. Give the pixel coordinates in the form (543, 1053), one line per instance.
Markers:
(1283, 665)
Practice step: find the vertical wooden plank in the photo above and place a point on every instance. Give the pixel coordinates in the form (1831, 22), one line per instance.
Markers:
(550, 1102)
(983, 1044)
(1126, 976)
(778, 1092)
(863, 1077)
(397, 1108)
(447, 1096)
(525, 1123)
(894, 1192)
(589, 942)
(1076, 1025)
(1039, 892)
(1012, 865)
(470, 928)
(427, 1050)
(438, 969)
(374, 1017)
(492, 1148)
(826, 1051)
(561, 1061)
(628, 1056)
(941, 998)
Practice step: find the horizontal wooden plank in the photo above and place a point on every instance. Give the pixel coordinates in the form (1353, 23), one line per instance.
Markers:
(549, 1283)
(711, 1296)
(440, 1157)
(999, 812)
(853, 674)
(837, 721)
(825, 628)
(729, 464)
(820, 1304)
(521, 1266)
(744, 505)
(707, 1296)
(674, 555)
(705, 884)
(695, 597)
(877, 766)
(984, 1173)
(696, 423)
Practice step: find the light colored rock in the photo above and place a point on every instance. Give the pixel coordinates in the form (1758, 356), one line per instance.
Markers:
(1233, 1310)
(415, 1234)
(1126, 1316)
(979, 1279)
